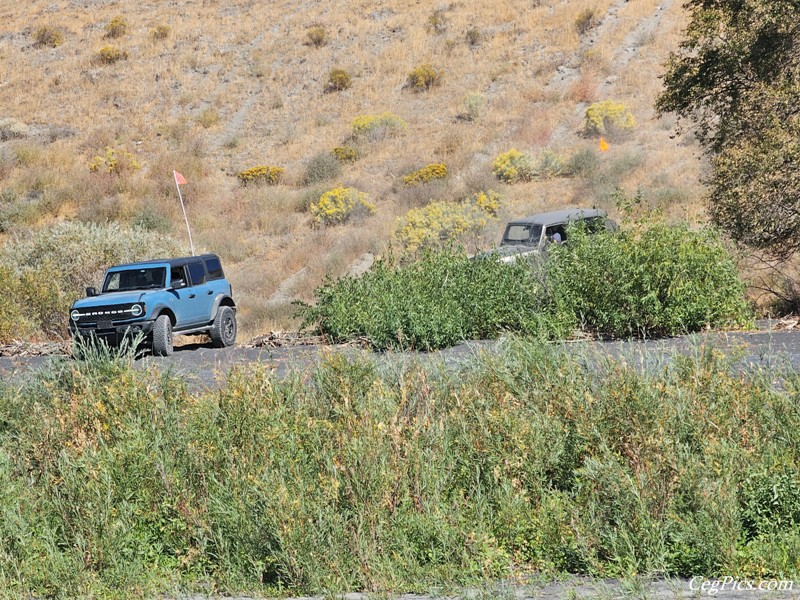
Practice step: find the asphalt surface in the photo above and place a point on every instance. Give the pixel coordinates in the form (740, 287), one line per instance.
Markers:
(205, 368)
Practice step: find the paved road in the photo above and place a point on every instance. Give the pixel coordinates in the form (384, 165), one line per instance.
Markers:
(205, 367)
(586, 588)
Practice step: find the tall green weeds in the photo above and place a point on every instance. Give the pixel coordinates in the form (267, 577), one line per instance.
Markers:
(650, 281)
(117, 482)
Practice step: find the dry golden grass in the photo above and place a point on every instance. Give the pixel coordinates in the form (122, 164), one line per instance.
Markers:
(229, 87)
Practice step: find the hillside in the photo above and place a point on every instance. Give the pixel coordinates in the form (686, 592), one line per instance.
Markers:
(210, 89)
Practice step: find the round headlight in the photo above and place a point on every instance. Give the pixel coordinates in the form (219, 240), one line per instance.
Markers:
(136, 310)
(75, 314)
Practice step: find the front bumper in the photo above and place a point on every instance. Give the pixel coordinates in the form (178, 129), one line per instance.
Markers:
(114, 335)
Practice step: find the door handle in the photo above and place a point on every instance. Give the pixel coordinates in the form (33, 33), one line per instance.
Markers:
(209, 292)
(191, 296)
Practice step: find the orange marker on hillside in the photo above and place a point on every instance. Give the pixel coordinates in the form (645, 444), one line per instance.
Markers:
(603, 145)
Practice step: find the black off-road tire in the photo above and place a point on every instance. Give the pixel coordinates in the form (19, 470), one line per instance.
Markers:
(223, 331)
(162, 336)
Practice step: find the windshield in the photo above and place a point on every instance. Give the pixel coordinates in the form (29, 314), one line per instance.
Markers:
(135, 279)
(522, 233)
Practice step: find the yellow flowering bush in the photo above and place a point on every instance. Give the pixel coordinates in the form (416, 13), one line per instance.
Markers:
(340, 205)
(108, 55)
(513, 166)
(426, 174)
(608, 118)
(424, 77)
(114, 161)
(488, 201)
(260, 175)
(441, 222)
(116, 27)
(345, 154)
(338, 81)
(377, 127)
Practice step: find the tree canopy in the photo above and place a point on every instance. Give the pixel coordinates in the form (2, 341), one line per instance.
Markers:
(736, 76)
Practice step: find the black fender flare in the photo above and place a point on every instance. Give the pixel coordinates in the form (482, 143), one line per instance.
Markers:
(163, 308)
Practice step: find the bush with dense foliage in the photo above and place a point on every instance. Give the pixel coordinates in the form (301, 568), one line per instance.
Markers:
(608, 118)
(117, 27)
(341, 204)
(513, 166)
(338, 81)
(323, 166)
(424, 77)
(377, 127)
(437, 301)
(441, 223)
(108, 55)
(49, 36)
(661, 280)
(261, 175)
(346, 154)
(735, 77)
(115, 161)
(651, 281)
(426, 174)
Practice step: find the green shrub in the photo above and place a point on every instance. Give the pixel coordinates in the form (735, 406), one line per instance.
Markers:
(586, 20)
(346, 154)
(323, 166)
(377, 127)
(473, 36)
(584, 163)
(47, 35)
(341, 204)
(513, 166)
(160, 32)
(474, 105)
(116, 27)
(108, 55)
(338, 81)
(550, 164)
(317, 36)
(661, 280)
(608, 118)
(426, 174)
(435, 302)
(424, 77)
(114, 161)
(380, 474)
(261, 175)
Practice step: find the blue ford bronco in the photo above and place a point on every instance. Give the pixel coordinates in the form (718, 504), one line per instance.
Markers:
(157, 299)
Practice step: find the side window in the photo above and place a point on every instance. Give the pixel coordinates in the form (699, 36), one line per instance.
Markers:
(214, 268)
(177, 274)
(551, 231)
(197, 273)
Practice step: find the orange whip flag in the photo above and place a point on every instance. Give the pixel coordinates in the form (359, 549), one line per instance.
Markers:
(603, 145)
(179, 181)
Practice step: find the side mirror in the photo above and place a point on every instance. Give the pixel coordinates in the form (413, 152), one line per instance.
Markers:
(90, 291)
(178, 284)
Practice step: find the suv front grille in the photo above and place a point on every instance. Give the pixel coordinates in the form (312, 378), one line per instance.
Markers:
(113, 313)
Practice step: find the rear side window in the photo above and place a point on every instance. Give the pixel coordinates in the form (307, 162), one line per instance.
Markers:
(214, 268)
(197, 273)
